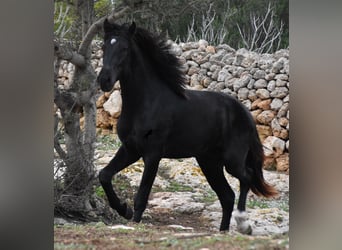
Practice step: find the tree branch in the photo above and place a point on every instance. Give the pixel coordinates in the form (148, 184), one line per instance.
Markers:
(56, 144)
(66, 53)
(66, 101)
(96, 27)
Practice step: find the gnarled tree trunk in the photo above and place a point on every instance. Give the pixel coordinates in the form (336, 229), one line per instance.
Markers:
(76, 188)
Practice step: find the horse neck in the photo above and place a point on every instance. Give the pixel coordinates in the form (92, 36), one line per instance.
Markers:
(139, 82)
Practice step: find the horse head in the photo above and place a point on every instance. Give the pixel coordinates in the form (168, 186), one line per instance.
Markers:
(116, 47)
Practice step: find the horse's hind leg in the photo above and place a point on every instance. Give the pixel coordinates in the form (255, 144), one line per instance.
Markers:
(241, 216)
(121, 160)
(235, 165)
(150, 171)
(213, 171)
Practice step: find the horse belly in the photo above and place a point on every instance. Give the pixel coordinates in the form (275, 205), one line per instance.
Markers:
(191, 142)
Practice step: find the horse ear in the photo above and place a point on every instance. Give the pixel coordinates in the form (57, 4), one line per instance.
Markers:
(106, 25)
(132, 28)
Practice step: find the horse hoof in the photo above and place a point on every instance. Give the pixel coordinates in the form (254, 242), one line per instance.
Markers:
(243, 225)
(245, 228)
(129, 213)
(224, 229)
(137, 217)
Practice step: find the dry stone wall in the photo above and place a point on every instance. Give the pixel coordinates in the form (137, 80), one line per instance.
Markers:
(259, 81)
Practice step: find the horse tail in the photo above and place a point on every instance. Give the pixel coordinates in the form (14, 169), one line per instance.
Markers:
(255, 160)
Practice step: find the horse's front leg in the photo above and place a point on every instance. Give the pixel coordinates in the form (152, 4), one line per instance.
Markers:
(150, 171)
(121, 160)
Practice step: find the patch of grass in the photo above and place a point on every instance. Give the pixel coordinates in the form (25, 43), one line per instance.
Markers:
(209, 198)
(173, 186)
(100, 192)
(257, 204)
(284, 206)
(108, 142)
(177, 187)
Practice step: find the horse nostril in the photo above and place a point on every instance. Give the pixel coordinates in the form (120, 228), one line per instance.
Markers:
(102, 77)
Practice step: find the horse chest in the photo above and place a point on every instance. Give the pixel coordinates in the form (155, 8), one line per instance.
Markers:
(141, 131)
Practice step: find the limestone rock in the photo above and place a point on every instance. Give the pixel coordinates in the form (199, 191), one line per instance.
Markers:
(192, 70)
(247, 103)
(263, 93)
(218, 55)
(282, 133)
(225, 47)
(278, 65)
(113, 104)
(270, 76)
(206, 81)
(261, 83)
(202, 43)
(275, 125)
(282, 162)
(269, 163)
(264, 131)
(252, 95)
(194, 80)
(279, 92)
(259, 74)
(265, 117)
(250, 85)
(210, 49)
(176, 49)
(104, 120)
(283, 121)
(271, 85)
(276, 104)
(239, 83)
(264, 104)
(100, 101)
(255, 113)
(256, 103)
(273, 146)
(243, 94)
(280, 83)
(222, 75)
(283, 110)
(277, 130)
(181, 202)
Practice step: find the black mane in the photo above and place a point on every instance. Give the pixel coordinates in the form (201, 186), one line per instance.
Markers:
(158, 52)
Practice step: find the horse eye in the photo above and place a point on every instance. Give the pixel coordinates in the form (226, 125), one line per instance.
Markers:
(113, 41)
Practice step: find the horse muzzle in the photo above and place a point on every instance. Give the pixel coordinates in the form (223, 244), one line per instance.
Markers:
(106, 80)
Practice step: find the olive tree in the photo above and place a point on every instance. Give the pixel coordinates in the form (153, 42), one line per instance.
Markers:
(74, 194)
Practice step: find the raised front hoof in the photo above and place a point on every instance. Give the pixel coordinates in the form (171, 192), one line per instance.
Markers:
(126, 212)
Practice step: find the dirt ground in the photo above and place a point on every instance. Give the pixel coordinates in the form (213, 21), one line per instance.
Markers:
(162, 231)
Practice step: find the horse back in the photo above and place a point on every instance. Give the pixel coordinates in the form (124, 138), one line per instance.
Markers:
(205, 122)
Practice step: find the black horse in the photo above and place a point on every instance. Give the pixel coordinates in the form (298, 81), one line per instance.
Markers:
(160, 118)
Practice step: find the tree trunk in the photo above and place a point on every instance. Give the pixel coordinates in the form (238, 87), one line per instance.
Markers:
(75, 194)
(79, 142)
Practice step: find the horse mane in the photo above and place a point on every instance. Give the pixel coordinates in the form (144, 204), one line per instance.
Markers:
(165, 63)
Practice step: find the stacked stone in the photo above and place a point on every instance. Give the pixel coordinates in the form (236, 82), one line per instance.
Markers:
(259, 81)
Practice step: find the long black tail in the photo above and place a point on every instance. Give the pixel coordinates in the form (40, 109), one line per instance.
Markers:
(255, 160)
